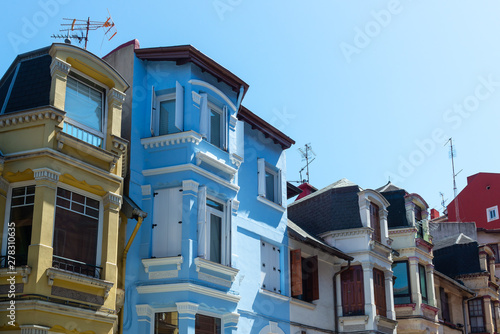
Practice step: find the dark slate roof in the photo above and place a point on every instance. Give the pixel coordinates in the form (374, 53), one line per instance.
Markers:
(334, 207)
(298, 233)
(397, 211)
(458, 239)
(388, 187)
(457, 259)
(28, 80)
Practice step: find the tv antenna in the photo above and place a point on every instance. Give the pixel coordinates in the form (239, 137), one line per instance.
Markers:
(86, 25)
(443, 201)
(307, 153)
(452, 155)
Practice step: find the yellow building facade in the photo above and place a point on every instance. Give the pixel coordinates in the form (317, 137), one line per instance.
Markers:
(62, 164)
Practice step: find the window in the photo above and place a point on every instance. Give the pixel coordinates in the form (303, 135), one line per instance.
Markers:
(21, 214)
(402, 293)
(494, 247)
(353, 297)
(445, 307)
(213, 229)
(76, 232)
(167, 323)
(214, 122)
(379, 287)
(84, 106)
(269, 182)
(476, 316)
(494, 315)
(304, 278)
(492, 213)
(270, 267)
(375, 222)
(167, 110)
(423, 282)
(167, 222)
(418, 221)
(207, 325)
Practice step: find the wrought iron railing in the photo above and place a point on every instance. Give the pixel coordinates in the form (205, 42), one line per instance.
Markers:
(76, 266)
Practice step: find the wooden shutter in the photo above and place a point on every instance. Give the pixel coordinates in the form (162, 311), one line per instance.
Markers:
(261, 168)
(310, 278)
(375, 222)
(179, 106)
(379, 287)
(154, 114)
(202, 222)
(353, 297)
(204, 116)
(296, 272)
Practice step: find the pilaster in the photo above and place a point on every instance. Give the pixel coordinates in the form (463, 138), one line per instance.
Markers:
(189, 220)
(59, 70)
(115, 100)
(230, 323)
(370, 307)
(187, 316)
(416, 297)
(389, 293)
(431, 294)
(488, 316)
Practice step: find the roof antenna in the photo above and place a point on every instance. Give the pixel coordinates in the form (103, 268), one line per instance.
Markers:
(452, 155)
(306, 153)
(443, 201)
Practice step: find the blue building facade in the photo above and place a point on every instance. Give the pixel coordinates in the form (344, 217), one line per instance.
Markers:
(212, 254)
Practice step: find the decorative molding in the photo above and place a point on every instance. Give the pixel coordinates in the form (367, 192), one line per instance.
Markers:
(212, 160)
(112, 200)
(190, 185)
(420, 242)
(4, 184)
(367, 266)
(82, 184)
(236, 206)
(119, 144)
(356, 319)
(163, 274)
(231, 318)
(405, 230)
(162, 261)
(7, 120)
(116, 98)
(236, 159)
(63, 275)
(430, 308)
(412, 305)
(59, 67)
(298, 302)
(172, 139)
(233, 120)
(146, 190)
(22, 271)
(189, 287)
(187, 308)
(192, 168)
(274, 295)
(214, 89)
(144, 311)
(215, 267)
(196, 97)
(34, 329)
(271, 204)
(347, 233)
(46, 174)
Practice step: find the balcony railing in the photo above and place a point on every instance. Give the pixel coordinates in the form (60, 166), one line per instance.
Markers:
(82, 134)
(76, 266)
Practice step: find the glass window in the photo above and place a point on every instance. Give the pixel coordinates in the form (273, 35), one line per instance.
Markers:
(207, 325)
(21, 214)
(270, 185)
(83, 103)
(423, 282)
(76, 230)
(402, 293)
(217, 245)
(167, 323)
(167, 117)
(476, 316)
(445, 307)
(215, 127)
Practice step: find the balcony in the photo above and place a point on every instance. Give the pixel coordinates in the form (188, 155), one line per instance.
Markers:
(78, 267)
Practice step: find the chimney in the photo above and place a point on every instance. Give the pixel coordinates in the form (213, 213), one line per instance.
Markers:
(434, 213)
(306, 190)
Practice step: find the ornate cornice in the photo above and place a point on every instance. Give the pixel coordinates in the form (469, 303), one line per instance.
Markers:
(30, 116)
(236, 160)
(187, 307)
(403, 230)
(190, 185)
(119, 144)
(230, 318)
(144, 311)
(46, 174)
(116, 98)
(112, 201)
(59, 67)
(34, 329)
(232, 122)
(349, 232)
(173, 139)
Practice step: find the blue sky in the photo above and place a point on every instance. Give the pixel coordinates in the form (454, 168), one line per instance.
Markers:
(376, 87)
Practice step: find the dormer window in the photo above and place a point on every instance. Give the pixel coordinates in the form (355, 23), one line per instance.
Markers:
(418, 221)
(84, 106)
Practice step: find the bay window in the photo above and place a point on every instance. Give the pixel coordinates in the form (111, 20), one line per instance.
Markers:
(167, 111)
(401, 287)
(423, 283)
(214, 122)
(476, 316)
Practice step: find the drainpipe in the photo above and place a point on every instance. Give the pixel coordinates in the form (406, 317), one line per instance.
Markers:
(335, 313)
(464, 301)
(124, 261)
(240, 97)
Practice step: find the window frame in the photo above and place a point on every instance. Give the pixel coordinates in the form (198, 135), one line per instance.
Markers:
(165, 98)
(212, 107)
(263, 168)
(155, 320)
(375, 223)
(100, 219)
(225, 234)
(104, 92)
(423, 289)
(489, 211)
(495, 249)
(302, 279)
(480, 302)
(408, 282)
(209, 315)
(445, 305)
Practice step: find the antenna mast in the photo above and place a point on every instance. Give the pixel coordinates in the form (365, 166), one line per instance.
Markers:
(306, 153)
(452, 155)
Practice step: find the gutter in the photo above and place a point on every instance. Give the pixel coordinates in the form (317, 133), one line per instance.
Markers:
(335, 313)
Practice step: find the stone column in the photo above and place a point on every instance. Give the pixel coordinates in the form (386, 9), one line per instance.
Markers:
(431, 294)
(370, 308)
(230, 323)
(59, 70)
(389, 294)
(187, 316)
(488, 317)
(109, 256)
(40, 251)
(416, 297)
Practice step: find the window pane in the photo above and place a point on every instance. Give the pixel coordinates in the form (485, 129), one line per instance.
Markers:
(270, 186)
(167, 117)
(215, 238)
(401, 283)
(166, 323)
(22, 216)
(215, 128)
(423, 282)
(207, 325)
(83, 104)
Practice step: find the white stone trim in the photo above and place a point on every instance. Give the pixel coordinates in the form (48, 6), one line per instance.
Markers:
(7, 120)
(63, 275)
(59, 66)
(191, 168)
(171, 139)
(113, 200)
(196, 97)
(212, 160)
(34, 329)
(347, 232)
(22, 271)
(190, 185)
(162, 261)
(187, 307)
(144, 310)
(146, 190)
(236, 159)
(214, 89)
(216, 267)
(46, 174)
(115, 97)
(190, 287)
(274, 295)
(231, 318)
(298, 302)
(271, 204)
(272, 328)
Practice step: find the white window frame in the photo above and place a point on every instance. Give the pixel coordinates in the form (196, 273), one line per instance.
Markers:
(488, 213)
(178, 97)
(104, 92)
(224, 230)
(159, 100)
(206, 106)
(268, 269)
(263, 167)
(101, 215)
(212, 107)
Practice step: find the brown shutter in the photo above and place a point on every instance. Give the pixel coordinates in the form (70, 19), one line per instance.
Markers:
(375, 222)
(353, 297)
(314, 277)
(296, 272)
(379, 286)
